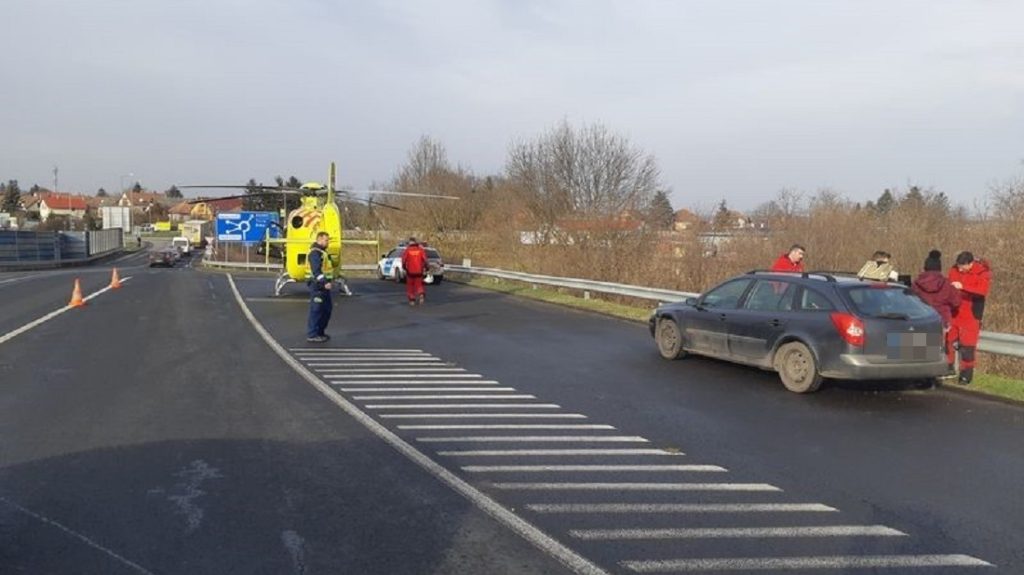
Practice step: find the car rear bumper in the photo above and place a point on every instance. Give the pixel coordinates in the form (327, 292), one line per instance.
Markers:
(861, 367)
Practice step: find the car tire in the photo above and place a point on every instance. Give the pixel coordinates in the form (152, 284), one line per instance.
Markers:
(399, 278)
(380, 274)
(669, 338)
(438, 280)
(797, 367)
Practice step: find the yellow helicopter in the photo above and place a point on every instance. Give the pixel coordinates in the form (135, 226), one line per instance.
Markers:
(317, 212)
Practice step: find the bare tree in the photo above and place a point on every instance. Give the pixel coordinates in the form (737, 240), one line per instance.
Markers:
(427, 171)
(586, 171)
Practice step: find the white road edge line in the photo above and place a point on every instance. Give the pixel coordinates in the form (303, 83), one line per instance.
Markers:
(517, 524)
(78, 536)
(36, 323)
(821, 562)
(387, 406)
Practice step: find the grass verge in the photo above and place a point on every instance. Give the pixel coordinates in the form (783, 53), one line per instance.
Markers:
(984, 383)
(553, 296)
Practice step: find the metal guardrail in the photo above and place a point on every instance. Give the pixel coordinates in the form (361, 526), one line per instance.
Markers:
(990, 342)
(261, 266)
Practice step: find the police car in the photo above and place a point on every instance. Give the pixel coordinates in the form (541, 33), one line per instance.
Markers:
(390, 266)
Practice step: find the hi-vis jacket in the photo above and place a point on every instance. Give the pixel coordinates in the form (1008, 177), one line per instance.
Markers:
(319, 267)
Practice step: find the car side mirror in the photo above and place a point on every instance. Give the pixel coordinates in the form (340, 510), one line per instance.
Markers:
(691, 301)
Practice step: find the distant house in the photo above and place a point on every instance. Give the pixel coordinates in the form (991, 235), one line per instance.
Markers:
(141, 199)
(209, 208)
(57, 204)
(685, 220)
(181, 212)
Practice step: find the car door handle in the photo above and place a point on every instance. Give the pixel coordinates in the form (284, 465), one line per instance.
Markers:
(721, 316)
(775, 323)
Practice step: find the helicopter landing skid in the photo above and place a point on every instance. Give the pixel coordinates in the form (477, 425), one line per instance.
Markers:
(282, 280)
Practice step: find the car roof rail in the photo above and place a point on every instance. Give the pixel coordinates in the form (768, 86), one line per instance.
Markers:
(828, 276)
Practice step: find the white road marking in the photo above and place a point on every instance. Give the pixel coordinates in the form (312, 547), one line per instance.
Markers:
(403, 383)
(334, 366)
(519, 452)
(588, 468)
(681, 508)
(77, 535)
(513, 426)
(343, 371)
(367, 389)
(570, 486)
(528, 531)
(823, 562)
(483, 416)
(464, 406)
(360, 376)
(36, 323)
(736, 532)
(464, 396)
(536, 438)
(363, 356)
(399, 383)
(352, 349)
(361, 360)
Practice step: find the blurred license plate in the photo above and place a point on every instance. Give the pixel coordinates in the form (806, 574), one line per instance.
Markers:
(914, 346)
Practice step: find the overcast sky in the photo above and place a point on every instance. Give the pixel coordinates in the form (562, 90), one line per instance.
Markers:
(736, 99)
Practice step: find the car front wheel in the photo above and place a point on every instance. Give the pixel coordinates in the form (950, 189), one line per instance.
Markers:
(797, 368)
(669, 338)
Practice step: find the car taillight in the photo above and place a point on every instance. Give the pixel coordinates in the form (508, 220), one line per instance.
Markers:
(850, 328)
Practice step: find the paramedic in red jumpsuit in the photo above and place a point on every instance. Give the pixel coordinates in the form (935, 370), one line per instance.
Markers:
(972, 278)
(414, 262)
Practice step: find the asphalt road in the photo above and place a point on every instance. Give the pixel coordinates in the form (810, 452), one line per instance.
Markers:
(179, 442)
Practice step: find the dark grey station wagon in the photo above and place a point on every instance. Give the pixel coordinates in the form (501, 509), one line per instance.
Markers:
(807, 326)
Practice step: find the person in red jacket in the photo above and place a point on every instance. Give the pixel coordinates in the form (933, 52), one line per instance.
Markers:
(791, 261)
(414, 262)
(972, 277)
(935, 290)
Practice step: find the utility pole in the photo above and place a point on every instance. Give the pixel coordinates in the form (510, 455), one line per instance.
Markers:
(67, 223)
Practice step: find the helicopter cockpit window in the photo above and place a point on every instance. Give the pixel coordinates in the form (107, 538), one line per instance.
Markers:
(297, 222)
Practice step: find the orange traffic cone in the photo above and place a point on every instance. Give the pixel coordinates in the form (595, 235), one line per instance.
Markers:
(76, 296)
(115, 282)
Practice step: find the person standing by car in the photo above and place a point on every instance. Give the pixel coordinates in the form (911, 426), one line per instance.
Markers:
(791, 261)
(414, 262)
(321, 271)
(935, 290)
(878, 268)
(972, 277)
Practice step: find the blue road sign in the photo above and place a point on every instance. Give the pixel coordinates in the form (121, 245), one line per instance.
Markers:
(246, 226)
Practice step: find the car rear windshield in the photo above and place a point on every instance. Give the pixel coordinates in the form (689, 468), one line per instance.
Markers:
(433, 254)
(887, 302)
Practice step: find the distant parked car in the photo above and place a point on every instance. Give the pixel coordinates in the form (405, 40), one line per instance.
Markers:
(390, 266)
(807, 327)
(166, 258)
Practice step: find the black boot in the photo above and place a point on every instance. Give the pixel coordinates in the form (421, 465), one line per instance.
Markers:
(966, 376)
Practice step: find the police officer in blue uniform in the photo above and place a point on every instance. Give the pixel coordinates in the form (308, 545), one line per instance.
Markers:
(321, 272)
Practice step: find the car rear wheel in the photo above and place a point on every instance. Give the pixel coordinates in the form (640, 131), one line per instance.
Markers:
(797, 368)
(380, 274)
(669, 338)
(438, 280)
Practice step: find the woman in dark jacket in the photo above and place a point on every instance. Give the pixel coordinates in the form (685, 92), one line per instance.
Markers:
(932, 287)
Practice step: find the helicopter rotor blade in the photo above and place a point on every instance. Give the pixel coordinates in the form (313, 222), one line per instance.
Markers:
(243, 196)
(371, 203)
(407, 194)
(262, 187)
